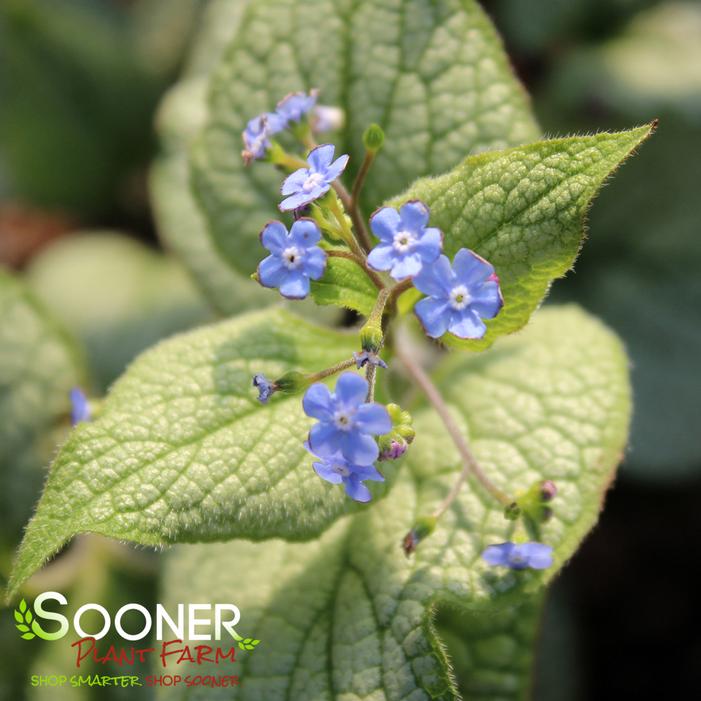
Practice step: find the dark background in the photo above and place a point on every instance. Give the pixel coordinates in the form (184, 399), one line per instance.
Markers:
(623, 619)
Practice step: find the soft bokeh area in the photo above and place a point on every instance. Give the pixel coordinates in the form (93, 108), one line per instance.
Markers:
(81, 82)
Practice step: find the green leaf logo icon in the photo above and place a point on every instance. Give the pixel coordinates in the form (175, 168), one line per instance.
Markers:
(248, 644)
(24, 618)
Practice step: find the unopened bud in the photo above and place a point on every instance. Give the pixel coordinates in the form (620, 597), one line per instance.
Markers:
(373, 138)
(424, 526)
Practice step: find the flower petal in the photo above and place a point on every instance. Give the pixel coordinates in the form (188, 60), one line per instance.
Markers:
(295, 285)
(466, 324)
(326, 472)
(385, 223)
(373, 418)
(336, 168)
(358, 448)
(318, 403)
(315, 263)
(406, 266)
(271, 272)
(294, 182)
(487, 300)
(434, 315)
(305, 233)
(320, 157)
(470, 268)
(430, 245)
(325, 440)
(295, 202)
(498, 555)
(381, 257)
(540, 556)
(435, 280)
(414, 215)
(356, 490)
(351, 389)
(274, 236)
(368, 472)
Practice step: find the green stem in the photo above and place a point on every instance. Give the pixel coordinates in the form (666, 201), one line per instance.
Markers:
(355, 215)
(470, 465)
(343, 365)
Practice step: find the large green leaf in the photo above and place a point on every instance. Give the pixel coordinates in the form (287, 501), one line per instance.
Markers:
(433, 75)
(116, 295)
(523, 209)
(350, 616)
(39, 364)
(183, 451)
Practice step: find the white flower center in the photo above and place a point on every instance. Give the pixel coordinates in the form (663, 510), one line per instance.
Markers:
(403, 241)
(314, 180)
(459, 297)
(341, 470)
(343, 420)
(292, 258)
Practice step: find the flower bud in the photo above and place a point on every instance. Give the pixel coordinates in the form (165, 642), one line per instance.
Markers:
(548, 490)
(395, 443)
(373, 138)
(422, 528)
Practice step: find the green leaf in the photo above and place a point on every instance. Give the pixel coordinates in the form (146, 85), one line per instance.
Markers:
(116, 295)
(21, 626)
(28, 636)
(19, 617)
(350, 614)
(345, 285)
(39, 364)
(22, 605)
(432, 75)
(523, 210)
(183, 451)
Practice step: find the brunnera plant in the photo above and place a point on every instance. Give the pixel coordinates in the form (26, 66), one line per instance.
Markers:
(390, 166)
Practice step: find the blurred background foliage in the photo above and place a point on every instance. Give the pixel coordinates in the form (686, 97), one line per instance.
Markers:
(81, 82)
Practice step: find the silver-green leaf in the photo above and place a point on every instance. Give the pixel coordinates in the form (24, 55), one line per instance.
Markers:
(182, 450)
(350, 616)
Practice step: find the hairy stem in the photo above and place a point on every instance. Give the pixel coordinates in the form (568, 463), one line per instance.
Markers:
(343, 365)
(355, 215)
(470, 465)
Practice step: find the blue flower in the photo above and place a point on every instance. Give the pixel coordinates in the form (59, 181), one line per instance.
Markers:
(296, 105)
(256, 135)
(336, 469)
(459, 296)
(264, 386)
(347, 423)
(308, 184)
(406, 245)
(363, 358)
(519, 556)
(80, 409)
(294, 257)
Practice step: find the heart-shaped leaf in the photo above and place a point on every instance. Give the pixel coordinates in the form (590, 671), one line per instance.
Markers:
(349, 614)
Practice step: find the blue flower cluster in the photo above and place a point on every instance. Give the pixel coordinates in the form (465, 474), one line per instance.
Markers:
(458, 297)
(259, 130)
(343, 438)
